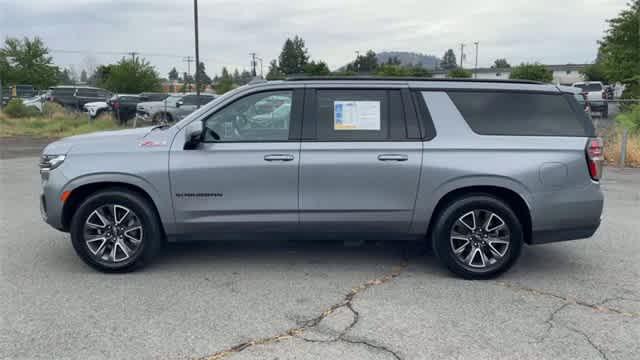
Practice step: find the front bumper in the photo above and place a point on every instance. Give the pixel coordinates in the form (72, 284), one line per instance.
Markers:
(51, 206)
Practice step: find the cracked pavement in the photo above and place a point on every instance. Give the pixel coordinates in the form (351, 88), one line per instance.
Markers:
(574, 300)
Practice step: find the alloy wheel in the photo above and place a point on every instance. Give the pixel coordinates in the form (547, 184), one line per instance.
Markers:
(480, 240)
(113, 233)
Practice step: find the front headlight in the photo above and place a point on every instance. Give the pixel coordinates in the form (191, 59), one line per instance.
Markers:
(50, 162)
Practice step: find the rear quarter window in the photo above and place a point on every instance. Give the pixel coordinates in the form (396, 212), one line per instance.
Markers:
(524, 114)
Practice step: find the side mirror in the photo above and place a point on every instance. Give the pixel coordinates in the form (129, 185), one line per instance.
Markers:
(179, 103)
(193, 139)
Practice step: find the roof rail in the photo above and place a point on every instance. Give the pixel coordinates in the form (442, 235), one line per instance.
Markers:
(407, 78)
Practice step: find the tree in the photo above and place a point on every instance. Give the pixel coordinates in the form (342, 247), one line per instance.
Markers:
(64, 77)
(245, 77)
(449, 61)
(394, 60)
(319, 68)
(500, 64)
(225, 82)
(399, 70)
(236, 76)
(203, 78)
(620, 49)
(535, 72)
(274, 72)
(367, 63)
(293, 57)
(27, 61)
(594, 72)
(173, 74)
(460, 73)
(83, 76)
(131, 76)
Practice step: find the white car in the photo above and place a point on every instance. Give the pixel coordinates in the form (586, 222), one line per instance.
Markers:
(35, 102)
(96, 108)
(596, 96)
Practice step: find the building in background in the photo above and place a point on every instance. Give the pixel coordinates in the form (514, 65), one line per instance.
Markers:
(562, 74)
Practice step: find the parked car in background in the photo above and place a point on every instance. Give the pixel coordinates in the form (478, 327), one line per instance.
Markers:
(75, 97)
(124, 106)
(36, 102)
(579, 95)
(473, 169)
(596, 96)
(18, 91)
(171, 109)
(153, 96)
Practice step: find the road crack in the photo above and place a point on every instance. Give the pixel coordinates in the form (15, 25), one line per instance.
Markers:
(297, 332)
(597, 307)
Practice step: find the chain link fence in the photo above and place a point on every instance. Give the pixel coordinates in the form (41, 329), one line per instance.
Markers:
(621, 148)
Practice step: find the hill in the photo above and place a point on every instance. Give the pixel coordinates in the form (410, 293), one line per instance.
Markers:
(408, 58)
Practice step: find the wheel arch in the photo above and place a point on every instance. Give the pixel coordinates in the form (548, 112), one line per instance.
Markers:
(509, 196)
(81, 192)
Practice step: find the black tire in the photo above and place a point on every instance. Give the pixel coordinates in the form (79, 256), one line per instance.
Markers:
(453, 211)
(152, 239)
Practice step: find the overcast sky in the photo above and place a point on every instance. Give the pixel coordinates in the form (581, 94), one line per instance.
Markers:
(548, 31)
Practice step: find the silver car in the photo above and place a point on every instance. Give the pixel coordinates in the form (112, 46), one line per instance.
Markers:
(172, 109)
(475, 169)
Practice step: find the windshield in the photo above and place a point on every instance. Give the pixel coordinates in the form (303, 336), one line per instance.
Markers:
(208, 106)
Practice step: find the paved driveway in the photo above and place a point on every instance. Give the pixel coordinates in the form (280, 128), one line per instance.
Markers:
(576, 300)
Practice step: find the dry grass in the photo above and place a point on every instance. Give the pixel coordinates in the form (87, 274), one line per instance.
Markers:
(612, 147)
(55, 122)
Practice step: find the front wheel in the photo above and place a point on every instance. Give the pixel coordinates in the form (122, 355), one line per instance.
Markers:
(477, 237)
(116, 230)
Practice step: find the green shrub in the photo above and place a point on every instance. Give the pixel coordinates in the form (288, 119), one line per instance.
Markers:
(630, 119)
(460, 73)
(535, 72)
(17, 109)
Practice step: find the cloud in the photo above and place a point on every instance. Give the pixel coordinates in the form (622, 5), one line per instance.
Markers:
(547, 31)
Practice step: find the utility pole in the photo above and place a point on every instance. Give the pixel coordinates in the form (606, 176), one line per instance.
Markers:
(253, 64)
(261, 68)
(356, 63)
(475, 71)
(461, 54)
(195, 21)
(133, 54)
(188, 60)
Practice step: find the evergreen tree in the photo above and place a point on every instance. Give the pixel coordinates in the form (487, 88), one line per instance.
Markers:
(449, 61)
(293, 57)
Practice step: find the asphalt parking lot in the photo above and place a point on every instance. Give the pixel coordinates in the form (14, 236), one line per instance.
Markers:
(574, 300)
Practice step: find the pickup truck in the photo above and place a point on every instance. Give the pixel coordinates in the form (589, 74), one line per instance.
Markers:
(596, 95)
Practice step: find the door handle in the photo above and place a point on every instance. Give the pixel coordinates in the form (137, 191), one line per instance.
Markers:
(278, 157)
(393, 157)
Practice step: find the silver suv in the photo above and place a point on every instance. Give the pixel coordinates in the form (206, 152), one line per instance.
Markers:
(474, 168)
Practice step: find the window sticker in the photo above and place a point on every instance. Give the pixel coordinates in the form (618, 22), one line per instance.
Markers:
(356, 115)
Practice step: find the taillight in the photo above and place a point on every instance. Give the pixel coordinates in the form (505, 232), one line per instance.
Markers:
(595, 157)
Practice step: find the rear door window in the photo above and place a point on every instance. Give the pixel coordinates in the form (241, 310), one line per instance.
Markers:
(353, 114)
(515, 113)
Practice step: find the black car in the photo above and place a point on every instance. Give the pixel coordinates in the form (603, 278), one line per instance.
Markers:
(124, 106)
(76, 96)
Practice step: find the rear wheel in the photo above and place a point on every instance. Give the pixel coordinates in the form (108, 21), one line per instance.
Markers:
(116, 230)
(477, 237)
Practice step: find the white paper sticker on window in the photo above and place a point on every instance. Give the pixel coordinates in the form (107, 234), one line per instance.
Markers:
(356, 115)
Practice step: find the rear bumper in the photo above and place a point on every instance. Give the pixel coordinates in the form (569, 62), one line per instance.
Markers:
(566, 215)
(549, 236)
